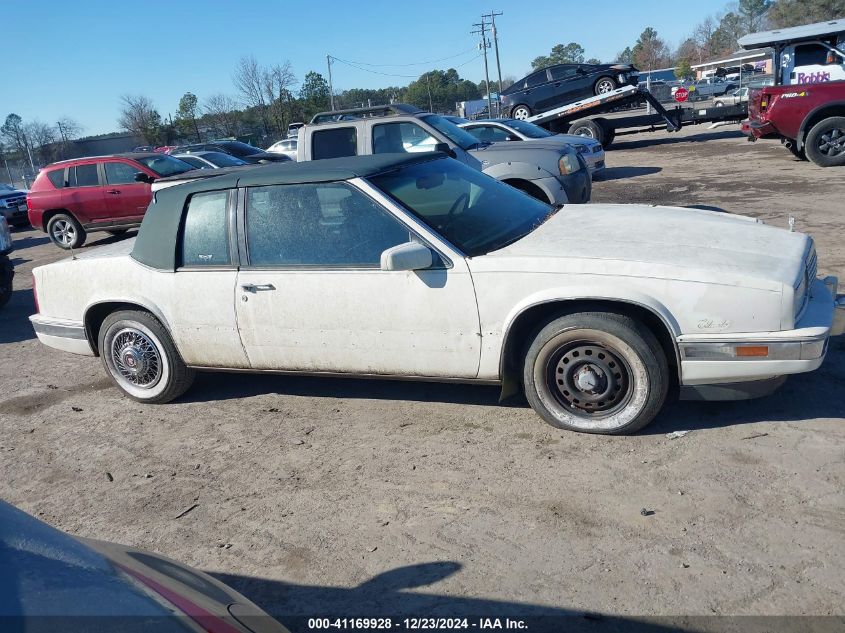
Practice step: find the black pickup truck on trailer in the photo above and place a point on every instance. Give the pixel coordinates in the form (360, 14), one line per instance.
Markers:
(585, 118)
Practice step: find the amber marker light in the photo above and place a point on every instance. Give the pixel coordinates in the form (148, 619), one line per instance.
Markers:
(753, 350)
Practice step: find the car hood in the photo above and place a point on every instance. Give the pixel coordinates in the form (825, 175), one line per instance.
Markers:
(658, 242)
(511, 146)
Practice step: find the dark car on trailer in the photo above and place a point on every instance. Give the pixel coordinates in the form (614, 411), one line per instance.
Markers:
(561, 84)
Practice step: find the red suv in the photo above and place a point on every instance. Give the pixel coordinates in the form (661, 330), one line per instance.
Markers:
(71, 198)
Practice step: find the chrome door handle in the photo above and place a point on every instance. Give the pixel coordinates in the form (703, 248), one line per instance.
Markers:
(257, 287)
(113, 191)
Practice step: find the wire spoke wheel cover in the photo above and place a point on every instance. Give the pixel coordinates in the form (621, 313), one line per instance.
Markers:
(136, 358)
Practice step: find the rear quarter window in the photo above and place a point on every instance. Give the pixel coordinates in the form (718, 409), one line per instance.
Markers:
(57, 177)
(335, 143)
(205, 234)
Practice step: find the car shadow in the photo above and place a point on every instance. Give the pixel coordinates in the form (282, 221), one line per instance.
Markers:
(668, 139)
(28, 242)
(212, 386)
(14, 318)
(620, 173)
(391, 594)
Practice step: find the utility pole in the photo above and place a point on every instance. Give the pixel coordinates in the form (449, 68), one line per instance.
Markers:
(492, 15)
(331, 89)
(482, 29)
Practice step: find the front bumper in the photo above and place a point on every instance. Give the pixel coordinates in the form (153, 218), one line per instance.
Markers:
(68, 336)
(711, 359)
(15, 216)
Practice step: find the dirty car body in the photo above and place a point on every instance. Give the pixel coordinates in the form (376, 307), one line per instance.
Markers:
(415, 265)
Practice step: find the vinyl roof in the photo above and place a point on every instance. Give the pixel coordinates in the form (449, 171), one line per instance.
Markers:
(792, 34)
(156, 244)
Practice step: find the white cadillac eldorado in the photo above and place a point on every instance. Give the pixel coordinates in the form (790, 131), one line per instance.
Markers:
(417, 266)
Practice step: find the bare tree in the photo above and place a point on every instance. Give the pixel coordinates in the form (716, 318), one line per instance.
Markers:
(222, 112)
(277, 82)
(249, 80)
(69, 128)
(138, 116)
(41, 136)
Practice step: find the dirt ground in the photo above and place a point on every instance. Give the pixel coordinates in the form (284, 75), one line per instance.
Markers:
(353, 497)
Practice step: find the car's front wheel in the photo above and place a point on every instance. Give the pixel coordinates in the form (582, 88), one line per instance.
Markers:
(605, 85)
(65, 231)
(141, 359)
(825, 144)
(596, 372)
(521, 112)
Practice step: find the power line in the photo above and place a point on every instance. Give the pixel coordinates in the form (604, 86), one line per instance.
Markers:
(378, 72)
(433, 61)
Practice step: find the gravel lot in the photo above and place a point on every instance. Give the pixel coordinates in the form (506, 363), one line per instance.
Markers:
(356, 497)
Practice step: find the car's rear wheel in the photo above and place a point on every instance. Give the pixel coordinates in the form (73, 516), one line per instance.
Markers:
(520, 112)
(604, 85)
(65, 231)
(589, 128)
(825, 144)
(719, 104)
(596, 372)
(141, 359)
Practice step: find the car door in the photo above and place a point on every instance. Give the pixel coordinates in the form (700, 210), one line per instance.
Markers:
(569, 85)
(126, 198)
(314, 299)
(84, 195)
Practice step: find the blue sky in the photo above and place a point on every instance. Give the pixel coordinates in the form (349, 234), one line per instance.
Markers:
(76, 58)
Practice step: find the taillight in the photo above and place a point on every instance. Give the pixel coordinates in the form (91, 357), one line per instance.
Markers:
(29, 201)
(35, 295)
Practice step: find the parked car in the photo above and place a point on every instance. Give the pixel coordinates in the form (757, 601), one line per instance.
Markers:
(552, 174)
(502, 130)
(71, 584)
(240, 150)
(706, 87)
(285, 146)
(210, 160)
(7, 269)
(561, 84)
(72, 198)
(13, 205)
(293, 128)
(417, 265)
(734, 98)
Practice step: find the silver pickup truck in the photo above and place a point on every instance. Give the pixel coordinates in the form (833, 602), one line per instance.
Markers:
(554, 175)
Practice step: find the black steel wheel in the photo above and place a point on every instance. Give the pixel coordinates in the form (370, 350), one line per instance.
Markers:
(825, 144)
(596, 372)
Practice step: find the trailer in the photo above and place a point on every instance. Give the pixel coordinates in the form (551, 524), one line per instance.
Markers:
(584, 117)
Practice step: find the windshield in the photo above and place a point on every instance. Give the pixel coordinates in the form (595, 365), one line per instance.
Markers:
(240, 149)
(476, 213)
(165, 165)
(459, 137)
(528, 129)
(223, 160)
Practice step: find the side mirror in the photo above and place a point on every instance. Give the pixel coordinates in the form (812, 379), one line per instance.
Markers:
(407, 256)
(142, 177)
(444, 147)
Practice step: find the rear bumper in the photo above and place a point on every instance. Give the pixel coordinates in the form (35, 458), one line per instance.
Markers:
(68, 336)
(759, 129)
(713, 359)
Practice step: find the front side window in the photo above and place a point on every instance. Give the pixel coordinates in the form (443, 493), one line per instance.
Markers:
(120, 173)
(320, 224)
(562, 73)
(195, 162)
(165, 165)
(205, 234)
(86, 176)
(488, 133)
(335, 143)
(389, 138)
(529, 129)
